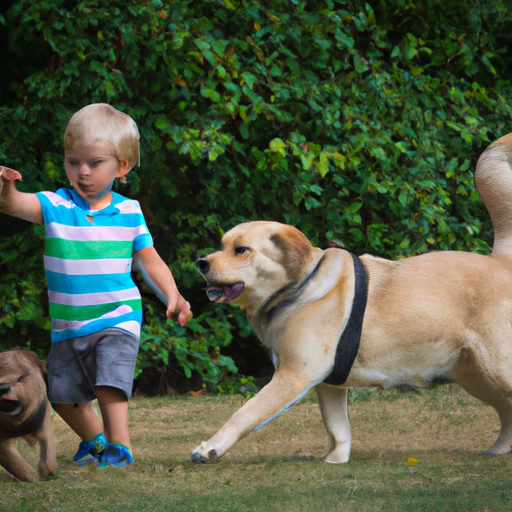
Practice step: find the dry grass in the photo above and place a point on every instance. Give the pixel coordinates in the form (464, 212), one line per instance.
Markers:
(279, 468)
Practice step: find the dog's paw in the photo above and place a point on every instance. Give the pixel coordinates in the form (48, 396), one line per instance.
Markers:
(202, 454)
(196, 457)
(497, 451)
(339, 455)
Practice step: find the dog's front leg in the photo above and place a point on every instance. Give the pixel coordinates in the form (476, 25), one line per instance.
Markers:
(11, 460)
(333, 406)
(277, 396)
(47, 457)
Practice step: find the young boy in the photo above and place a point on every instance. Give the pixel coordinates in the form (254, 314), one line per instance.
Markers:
(92, 237)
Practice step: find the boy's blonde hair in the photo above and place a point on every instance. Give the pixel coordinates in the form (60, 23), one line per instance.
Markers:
(100, 121)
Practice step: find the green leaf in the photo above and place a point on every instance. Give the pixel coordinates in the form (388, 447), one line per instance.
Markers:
(345, 40)
(317, 189)
(402, 197)
(487, 62)
(277, 146)
(219, 47)
(244, 130)
(202, 45)
(249, 79)
(161, 122)
(359, 64)
(110, 89)
(354, 207)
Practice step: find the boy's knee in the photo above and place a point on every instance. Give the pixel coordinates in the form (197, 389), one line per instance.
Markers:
(58, 407)
(108, 394)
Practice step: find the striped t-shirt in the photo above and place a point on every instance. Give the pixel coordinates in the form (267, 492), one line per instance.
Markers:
(88, 260)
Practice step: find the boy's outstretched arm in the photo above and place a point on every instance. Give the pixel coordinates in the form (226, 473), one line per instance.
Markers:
(16, 203)
(158, 276)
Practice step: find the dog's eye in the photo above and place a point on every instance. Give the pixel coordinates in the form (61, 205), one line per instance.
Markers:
(241, 250)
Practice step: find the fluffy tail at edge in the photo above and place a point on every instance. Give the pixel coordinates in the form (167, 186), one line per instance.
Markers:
(493, 178)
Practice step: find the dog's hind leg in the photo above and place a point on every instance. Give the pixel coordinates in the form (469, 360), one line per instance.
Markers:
(503, 406)
(490, 381)
(502, 403)
(12, 461)
(502, 445)
(333, 406)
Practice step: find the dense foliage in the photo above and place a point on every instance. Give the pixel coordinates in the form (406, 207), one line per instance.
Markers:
(356, 122)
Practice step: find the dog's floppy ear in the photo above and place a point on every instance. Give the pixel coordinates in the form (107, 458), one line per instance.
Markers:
(44, 371)
(37, 363)
(42, 365)
(296, 250)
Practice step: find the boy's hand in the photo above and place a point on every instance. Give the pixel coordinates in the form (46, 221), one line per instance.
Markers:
(182, 308)
(8, 174)
(23, 205)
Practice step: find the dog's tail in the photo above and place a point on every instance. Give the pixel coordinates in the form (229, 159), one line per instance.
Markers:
(493, 178)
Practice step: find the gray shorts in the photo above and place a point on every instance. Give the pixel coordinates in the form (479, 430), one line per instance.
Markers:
(77, 366)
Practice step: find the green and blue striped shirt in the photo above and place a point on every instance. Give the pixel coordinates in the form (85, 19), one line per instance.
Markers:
(88, 260)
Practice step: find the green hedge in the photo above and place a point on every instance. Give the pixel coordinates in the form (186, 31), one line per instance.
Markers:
(354, 122)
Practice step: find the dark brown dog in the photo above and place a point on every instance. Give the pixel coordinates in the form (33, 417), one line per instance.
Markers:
(25, 412)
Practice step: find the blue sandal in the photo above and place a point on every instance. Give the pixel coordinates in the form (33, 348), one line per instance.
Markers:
(115, 454)
(89, 451)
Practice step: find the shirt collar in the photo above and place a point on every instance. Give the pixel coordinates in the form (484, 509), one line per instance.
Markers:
(84, 205)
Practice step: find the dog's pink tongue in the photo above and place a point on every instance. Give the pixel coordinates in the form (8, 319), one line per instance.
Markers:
(234, 291)
(226, 293)
(10, 174)
(9, 396)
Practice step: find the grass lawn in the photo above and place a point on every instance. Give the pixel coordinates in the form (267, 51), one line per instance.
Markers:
(279, 468)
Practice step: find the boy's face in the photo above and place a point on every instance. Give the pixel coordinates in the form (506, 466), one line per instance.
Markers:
(91, 168)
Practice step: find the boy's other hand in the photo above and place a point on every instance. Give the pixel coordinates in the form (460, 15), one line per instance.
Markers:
(8, 174)
(182, 308)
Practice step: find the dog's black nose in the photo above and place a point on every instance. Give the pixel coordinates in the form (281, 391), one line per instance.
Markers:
(4, 388)
(203, 266)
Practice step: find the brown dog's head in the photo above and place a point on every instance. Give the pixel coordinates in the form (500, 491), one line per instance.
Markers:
(257, 260)
(22, 393)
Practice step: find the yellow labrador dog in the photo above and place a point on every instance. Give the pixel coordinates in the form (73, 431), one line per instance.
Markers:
(334, 321)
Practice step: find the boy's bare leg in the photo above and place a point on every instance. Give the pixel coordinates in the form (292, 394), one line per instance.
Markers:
(84, 421)
(82, 418)
(114, 409)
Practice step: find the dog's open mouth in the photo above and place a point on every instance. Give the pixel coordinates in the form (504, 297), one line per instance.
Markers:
(225, 293)
(9, 404)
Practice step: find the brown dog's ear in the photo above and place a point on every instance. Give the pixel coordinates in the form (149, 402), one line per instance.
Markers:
(37, 363)
(296, 250)
(42, 365)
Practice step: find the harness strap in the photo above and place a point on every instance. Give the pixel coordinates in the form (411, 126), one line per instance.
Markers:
(348, 345)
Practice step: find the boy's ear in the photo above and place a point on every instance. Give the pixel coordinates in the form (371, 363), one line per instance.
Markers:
(124, 168)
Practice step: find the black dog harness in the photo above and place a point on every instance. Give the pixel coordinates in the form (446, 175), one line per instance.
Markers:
(348, 345)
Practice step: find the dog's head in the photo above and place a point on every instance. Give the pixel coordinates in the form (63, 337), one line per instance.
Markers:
(257, 260)
(22, 389)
